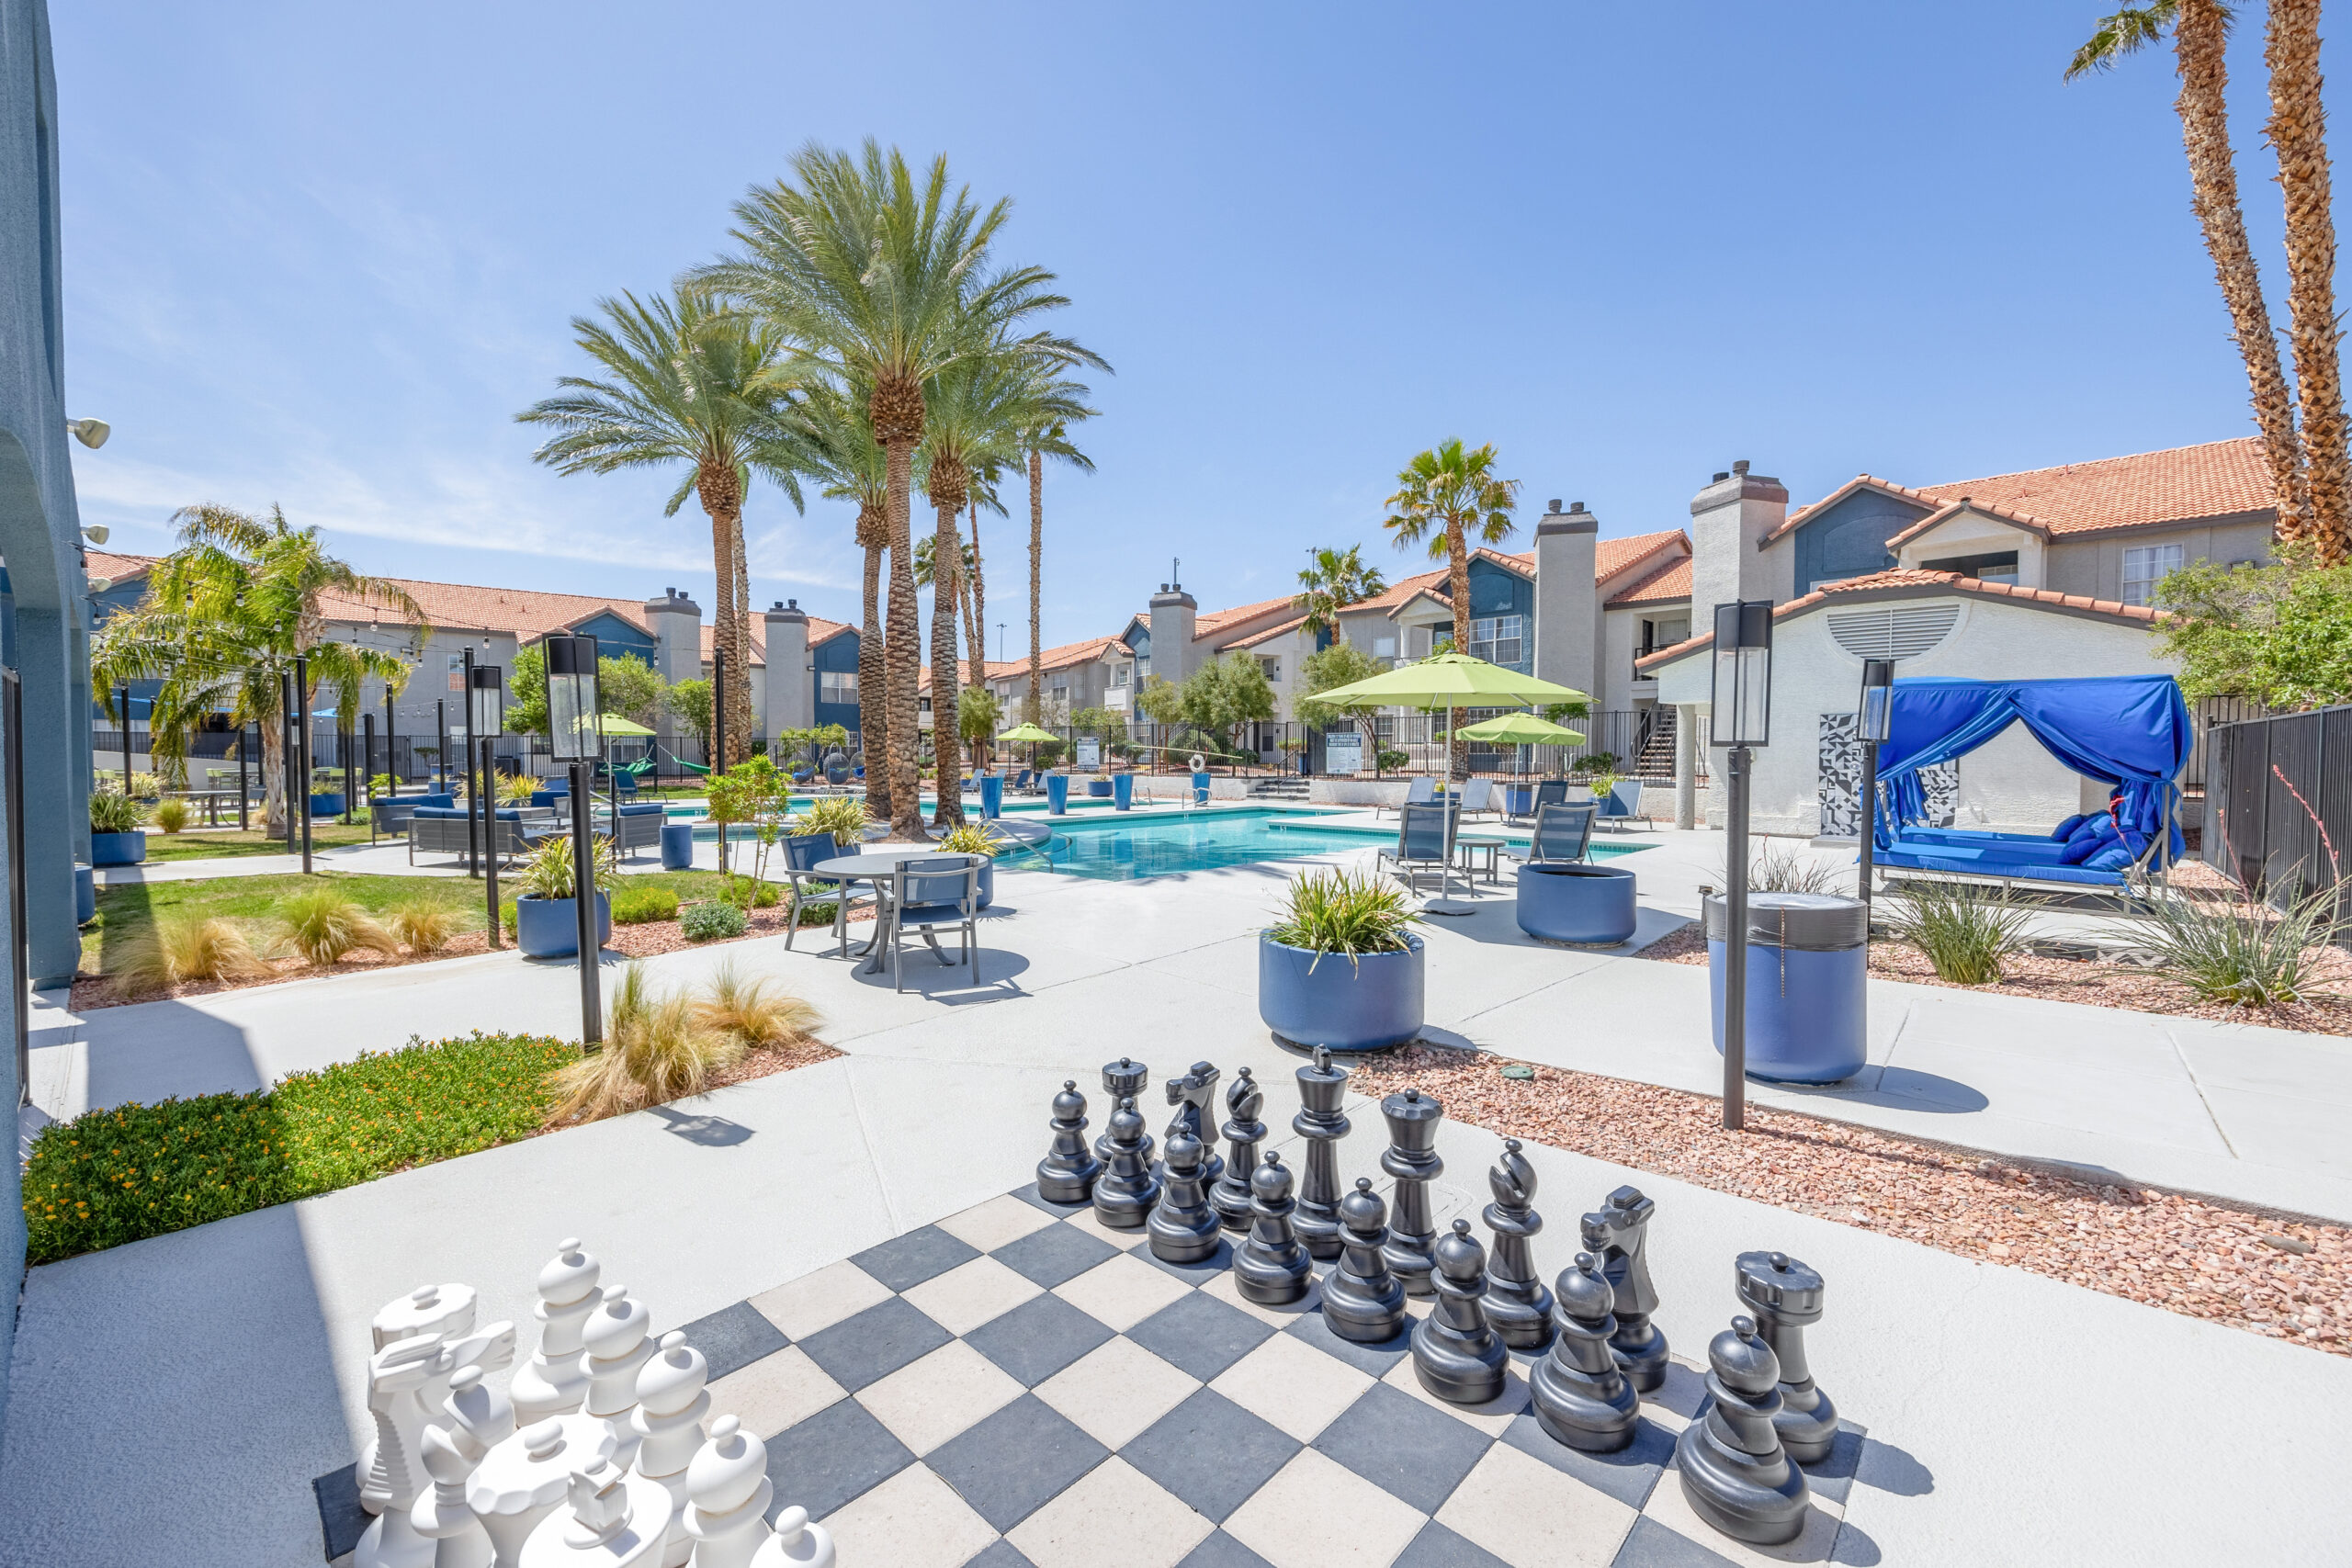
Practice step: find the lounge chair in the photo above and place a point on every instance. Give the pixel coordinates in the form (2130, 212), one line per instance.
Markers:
(924, 894)
(390, 813)
(1548, 792)
(1422, 791)
(1420, 839)
(1623, 804)
(1563, 832)
(442, 830)
(1478, 798)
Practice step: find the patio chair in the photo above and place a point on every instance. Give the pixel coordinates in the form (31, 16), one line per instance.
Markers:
(1478, 798)
(922, 895)
(1548, 792)
(1623, 804)
(1420, 839)
(1422, 791)
(1563, 832)
(801, 853)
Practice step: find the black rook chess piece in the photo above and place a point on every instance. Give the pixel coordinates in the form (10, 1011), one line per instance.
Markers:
(1412, 1158)
(1617, 1235)
(1191, 1095)
(1735, 1472)
(1580, 1396)
(1230, 1197)
(1273, 1269)
(1517, 1304)
(1785, 1297)
(1320, 1088)
(1066, 1173)
(1361, 1300)
(1456, 1354)
(1183, 1227)
(1125, 1192)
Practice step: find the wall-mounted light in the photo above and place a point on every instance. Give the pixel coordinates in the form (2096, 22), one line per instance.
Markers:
(96, 533)
(100, 584)
(90, 433)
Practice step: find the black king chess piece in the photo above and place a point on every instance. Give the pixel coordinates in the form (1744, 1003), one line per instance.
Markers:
(1735, 1472)
(1516, 1303)
(1618, 1235)
(1243, 1131)
(1066, 1173)
(1321, 1087)
(1273, 1269)
(1191, 1095)
(1361, 1300)
(1455, 1353)
(1411, 1158)
(1785, 1297)
(1183, 1227)
(1581, 1398)
(1125, 1192)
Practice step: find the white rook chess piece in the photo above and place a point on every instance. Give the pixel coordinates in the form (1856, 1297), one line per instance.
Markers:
(729, 1483)
(522, 1479)
(613, 1347)
(554, 1384)
(616, 1519)
(395, 1473)
(671, 1404)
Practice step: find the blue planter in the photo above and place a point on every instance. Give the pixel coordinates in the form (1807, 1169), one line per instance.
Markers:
(1058, 793)
(1591, 906)
(119, 849)
(326, 805)
(550, 928)
(85, 895)
(1123, 791)
(677, 846)
(991, 797)
(1519, 800)
(1807, 1001)
(988, 880)
(1313, 999)
(1099, 788)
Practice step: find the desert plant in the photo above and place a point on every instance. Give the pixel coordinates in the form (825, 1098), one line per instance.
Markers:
(172, 816)
(642, 905)
(1336, 911)
(843, 816)
(547, 872)
(177, 948)
(748, 893)
(513, 789)
(112, 811)
(1390, 759)
(1775, 870)
(424, 925)
(2242, 953)
(324, 923)
(1964, 931)
(1594, 762)
(707, 922)
(973, 838)
(753, 1010)
(656, 1049)
(379, 784)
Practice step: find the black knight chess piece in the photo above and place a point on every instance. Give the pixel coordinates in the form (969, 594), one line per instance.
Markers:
(1273, 1269)
(1361, 1300)
(1735, 1472)
(1321, 1087)
(1066, 1173)
(1516, 1303)
(1411, 1158)
(1455, 1352)
(1125, 1192)
(1191, 1095)
(1618, 1235)
(1785, 1298)
(1243, 1131)
(1183, 1227)
(1581, 1397)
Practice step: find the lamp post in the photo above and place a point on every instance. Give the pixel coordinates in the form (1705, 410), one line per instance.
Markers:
(1873, 722)
(485, 717)
(717, 758)
(1740, 716)
(391, 772)
(466, 658)
(301, 711)
(289, 750)
(575, 736)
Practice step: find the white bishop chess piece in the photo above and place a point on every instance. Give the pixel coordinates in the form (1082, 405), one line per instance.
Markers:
(478, 1418)
(616, 1519)
(554, 1382)
(671, 1404)
(522, 1478)
(613, 1347)
(726, 1518)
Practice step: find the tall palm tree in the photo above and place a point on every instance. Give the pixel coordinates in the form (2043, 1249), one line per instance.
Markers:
(1330, 582)
(1043, 436)
(2298, 133)
(2200, 30)
(849, 463)
(686, 381)
(1445, 495)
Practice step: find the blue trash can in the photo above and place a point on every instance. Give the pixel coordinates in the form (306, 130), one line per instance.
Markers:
(991, 797)
(1123, 791)
(1200, 789)
(1807, 961)
(85, 895)
(677, 846)
(1058, 793)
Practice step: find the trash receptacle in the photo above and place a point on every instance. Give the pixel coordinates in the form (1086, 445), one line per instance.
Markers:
(1058, 793)
(1200, 789)
(1807, 960)
(1123, 791)
(991, 797)
(678, 846)
(85, 895)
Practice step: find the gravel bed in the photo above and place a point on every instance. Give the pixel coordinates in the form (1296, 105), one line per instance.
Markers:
(663, 936)
(2200, 1258)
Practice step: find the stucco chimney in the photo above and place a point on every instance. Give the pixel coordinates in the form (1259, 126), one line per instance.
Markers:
(1729, 521)
(1568, 610)
(676, 622)
(791, 687)
(1172, 614)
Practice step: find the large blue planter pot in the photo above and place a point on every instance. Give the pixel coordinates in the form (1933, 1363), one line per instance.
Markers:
(1519, 800)
(324, 804)
(677, 846)
(550, 928)
(1058, 793)
(988, 880)
(119, 849)
(1100, 787)
(85, 895)
(1807, 1001)
(1123, 791)
(1379, 999)
(1591, 906)
(991, 797)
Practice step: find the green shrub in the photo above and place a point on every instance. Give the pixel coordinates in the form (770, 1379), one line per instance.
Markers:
(324, 923)
(656, 1049)
(974, 838)
(1336, 911)
(172, 816)
(817, 914)
(707, 922)
(1964, 931)
(423, 924)
(1388, 762)
(181, 947)
(112, 811)
(547, 872)
(642, 905)
(844, 816)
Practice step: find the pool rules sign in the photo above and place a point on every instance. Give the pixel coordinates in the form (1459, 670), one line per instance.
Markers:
(1343, 752)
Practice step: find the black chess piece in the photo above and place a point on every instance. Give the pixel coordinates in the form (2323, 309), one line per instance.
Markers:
(1066, 1173)
(1618, 1235)
(1581, 1397)
(1412, 1159)
(1735, 1472)
(1518, 1305)
(1321, 1087)
(1230, 1197)
(1183, 1227)
(1191, 1095)
(1273, 1269)
(1361, 1300)
(1455, 1353)
(1125, 1192)
(1785, 1298)
(1122, 1079)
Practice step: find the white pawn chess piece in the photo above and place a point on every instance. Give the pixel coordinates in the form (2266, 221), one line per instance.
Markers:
(613, 1346)
(616, 1519)
(441, 1515)
(671, 1404)
(798, 1543)
(730, 1485)
(553, 1383)
(522, 1479)
(478, 1417)
(394, 1475)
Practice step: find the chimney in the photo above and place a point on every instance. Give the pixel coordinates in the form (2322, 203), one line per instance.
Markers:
(791, 687)
(1174, 613)
(1729, 520)
(1568, 605)
(676, 622)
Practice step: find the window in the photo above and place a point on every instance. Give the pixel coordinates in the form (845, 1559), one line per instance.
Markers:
(456, 671)
(1496, 639)
(1418, 640)
(837, 686)
(1384, 725)
(1383, 647)
(1118, 675)
(1272, 667)
(2144, 566)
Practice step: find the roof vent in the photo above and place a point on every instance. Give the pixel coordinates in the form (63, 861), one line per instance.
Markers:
(1893, 631)
(1555, 506)
(1721, 477)
(793, 603)
(1573, 506)
(1740, 467)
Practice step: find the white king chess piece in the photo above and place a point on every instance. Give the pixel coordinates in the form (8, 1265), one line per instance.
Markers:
(554, 1382)
(727, 1519)
(616, 1519)
(522, 1480)
(671, 1404)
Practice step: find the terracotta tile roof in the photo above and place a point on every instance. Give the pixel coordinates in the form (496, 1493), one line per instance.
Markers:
(1611, 557)
(524, 612)
(1397, 593)
(1668, 583)
(963, 674)
(105, 563)
(1064, 657)
(1218, 620)
(819, 629)
(1279, 629)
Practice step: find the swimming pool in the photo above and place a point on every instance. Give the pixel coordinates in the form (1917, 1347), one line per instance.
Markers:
(1124, 850)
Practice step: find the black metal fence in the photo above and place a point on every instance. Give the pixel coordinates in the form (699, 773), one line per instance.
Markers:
(2278, 803)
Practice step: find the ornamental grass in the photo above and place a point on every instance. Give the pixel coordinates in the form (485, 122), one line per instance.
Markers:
(178, 949)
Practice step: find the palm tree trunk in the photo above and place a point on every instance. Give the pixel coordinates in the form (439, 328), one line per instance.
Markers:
(903, 647)
(1036, 703)
(979, 634)
(2298, 132)
(1457, 587)
(722, 501)
(873, 680)
(272, 726)
(741, 722)
(946, 552)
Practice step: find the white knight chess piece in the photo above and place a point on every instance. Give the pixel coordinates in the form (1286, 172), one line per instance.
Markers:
(395, 1473)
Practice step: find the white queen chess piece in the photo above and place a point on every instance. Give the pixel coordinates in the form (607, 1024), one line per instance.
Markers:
(614, 1518)
(671, 1404)
(554, 1384)
(520, 1481)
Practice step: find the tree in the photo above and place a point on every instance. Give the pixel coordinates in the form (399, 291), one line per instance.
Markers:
(850, 462)
(2298, 133)
(1342, 664)
(1044, 437)
(1445, 495)
(2277, 635)
(978, 714)
(1333, 580)
(1219, 696)
(626, 687)
(690, 700)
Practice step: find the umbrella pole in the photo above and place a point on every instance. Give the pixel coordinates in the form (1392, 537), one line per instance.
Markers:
(1444, 904)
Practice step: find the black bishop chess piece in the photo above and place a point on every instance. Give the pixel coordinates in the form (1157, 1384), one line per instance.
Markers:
(1244, 1133)
(1183, 1227)
(1455, 1353)
(1785, 1298)
(1618, 1235)
(1581, 1397)
(1411, 1158)
(1193, 1095)
(1518, 1305)
(1361, 1300)
(1273, 1269)
(1321, 1087)
(1735, 1472)
(1066, 1173)
(1125, 1192)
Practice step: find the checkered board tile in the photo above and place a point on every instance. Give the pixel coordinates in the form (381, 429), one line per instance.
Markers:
(1019, 1384)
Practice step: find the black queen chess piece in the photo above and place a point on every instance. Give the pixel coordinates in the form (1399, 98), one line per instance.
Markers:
(1618, 1235)
(1581, 1397)
(1361, 1300)
(1784, 1296)
(1191, 1095)
(1273, 1269)
(1066, 1173)
(1411, 1158)
(1125, 1192)
(1518, 1305)
(1183, 1227)
(1244, 1133)
(1735, 1472)
(1455, 1353)
(1321, 1087)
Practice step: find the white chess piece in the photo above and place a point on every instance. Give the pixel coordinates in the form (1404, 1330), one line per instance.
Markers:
(430, 1312)
(441, 1515)
(394, 1474)
(477, 1416)
(798, 1543)
(522, 1479)
(671, 1404)
(553, 1383)
(616, 1519)
(729, 1489)
(613, 1347)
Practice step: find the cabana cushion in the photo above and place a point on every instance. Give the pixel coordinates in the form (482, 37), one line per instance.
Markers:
(2066, 831)
(2079, 849)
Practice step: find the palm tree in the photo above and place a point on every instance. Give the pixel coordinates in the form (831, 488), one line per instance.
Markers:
(2201, 39)
(2298, 133)
(1330, 582)
(849, 462)
(1444, 495)
(1045, 436)
(688, 382)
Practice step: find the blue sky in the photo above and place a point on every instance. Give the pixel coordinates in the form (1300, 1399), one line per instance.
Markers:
(319, 255)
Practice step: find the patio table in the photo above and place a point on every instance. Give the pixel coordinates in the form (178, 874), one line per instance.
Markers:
(1472, 844)
(867, 866)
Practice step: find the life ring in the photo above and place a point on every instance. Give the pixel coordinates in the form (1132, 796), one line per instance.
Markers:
(1200, 764)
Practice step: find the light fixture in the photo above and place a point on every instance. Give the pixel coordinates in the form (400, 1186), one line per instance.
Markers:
(571, 699)
(1740, 718)
(96, 533)
(1740, 711)
(1873, 723)
(90, 433)
(488, 699)
(100, 584)
(1876, 721)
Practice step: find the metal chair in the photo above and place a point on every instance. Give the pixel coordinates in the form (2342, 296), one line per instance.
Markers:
(1478, 798)
(801, 854)
(1420, 840)
(1562, 832)
(1422, 791)
(924, 895)
(1623, 804)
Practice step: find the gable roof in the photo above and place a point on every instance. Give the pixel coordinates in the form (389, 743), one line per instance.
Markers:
(1669, 584)
(1279, 629)
(1611, 557)
(819, 630)
(525, 613)
(120, 569)
(1218, 620)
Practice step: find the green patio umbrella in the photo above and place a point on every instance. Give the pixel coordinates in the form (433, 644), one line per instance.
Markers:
(1031, 733)
(1522, 729)
(614, 723)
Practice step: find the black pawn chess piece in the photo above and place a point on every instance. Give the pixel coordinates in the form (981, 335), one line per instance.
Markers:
(1184, 1227)
(1518, 1305)
(1191, 1095)
(1581, 1397)
(1273, 1269)
(1066, 1173)
(1125, 1192)
(1243, 1131)
(1455, 1353)
(1122, 1079)
(1785, 1298)
(1361, 1300)
(1321, 1089)
(1412, 1159)
(1618, 1233)
(1735, 1472)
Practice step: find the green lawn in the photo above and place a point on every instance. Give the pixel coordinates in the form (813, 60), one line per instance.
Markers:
(163, 847)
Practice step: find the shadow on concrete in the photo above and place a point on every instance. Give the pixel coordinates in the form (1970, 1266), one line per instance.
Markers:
(1900, 1088)
(708, 1132)
(1889, 1469)
(950, 982)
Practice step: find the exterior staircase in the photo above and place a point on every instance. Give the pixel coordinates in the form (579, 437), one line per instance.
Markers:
(1655, 757)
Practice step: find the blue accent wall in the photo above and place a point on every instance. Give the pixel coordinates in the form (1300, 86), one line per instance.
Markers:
(615, 638)
(838, 654)
(1850, 538)
(1495, 592)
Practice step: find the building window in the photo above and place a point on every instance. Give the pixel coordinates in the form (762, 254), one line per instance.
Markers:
(1417, 640)
(1061, 693)
(2144, 566)
(456, 671)
(1496, 639)
(1272, 667)
(1118, 675)
(837, 686)
(1384, 725)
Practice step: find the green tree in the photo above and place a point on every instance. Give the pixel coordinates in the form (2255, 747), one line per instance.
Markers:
(690, 700)
(2278, 635)
(626, 687)
(1216, 699)
(1331, 580)
(978, 714)
(1452, 498)
(1342, 664)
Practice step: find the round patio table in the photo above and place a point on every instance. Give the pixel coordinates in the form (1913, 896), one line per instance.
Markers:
(868, 866)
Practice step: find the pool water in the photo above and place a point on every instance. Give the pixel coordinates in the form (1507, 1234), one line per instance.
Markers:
(1122, 851)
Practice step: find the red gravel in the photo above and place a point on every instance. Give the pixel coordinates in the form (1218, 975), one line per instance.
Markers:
(2186, 1255)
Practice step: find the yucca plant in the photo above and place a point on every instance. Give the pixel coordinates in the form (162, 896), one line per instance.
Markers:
(656, 1049)
(844, 816)
(324, 923)
(1966, 933)
(1336, 911)
(752, 1009)
(513, 789)
(424, 925)
(112, 811)
(547, 872)
(974, 838)
(180, 948)
(2244, 953)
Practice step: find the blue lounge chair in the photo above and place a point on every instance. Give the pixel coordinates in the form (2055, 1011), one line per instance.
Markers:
(1623, 804)
(1422, 791)
(1420, 839)
(1563, 832)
